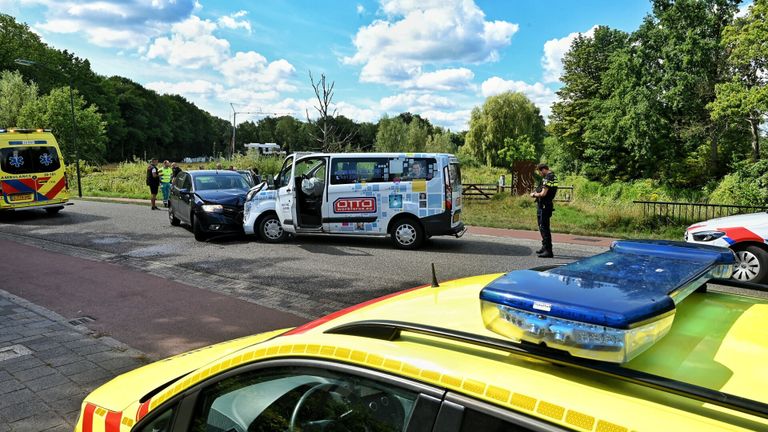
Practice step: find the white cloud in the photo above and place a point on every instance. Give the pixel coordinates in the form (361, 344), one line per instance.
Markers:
(189, 89)
(251, 70)
(360, 9)
(192, 45)
(554, 51)
(541, 95)
(445, 79)
(113, 23)
(415, 102)
(743, 10)
(232, 22)
(432, 32)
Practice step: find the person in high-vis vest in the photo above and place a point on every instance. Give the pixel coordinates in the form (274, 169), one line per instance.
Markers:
(166, 174)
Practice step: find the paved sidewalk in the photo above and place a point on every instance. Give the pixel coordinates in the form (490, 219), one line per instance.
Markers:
(47, 366)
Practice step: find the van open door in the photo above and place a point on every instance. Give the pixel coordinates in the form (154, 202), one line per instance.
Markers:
(286, 196)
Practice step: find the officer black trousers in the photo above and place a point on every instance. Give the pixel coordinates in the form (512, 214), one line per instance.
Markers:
(543, 215)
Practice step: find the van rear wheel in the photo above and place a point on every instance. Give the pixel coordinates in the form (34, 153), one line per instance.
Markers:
(407, 234)
(270, 229)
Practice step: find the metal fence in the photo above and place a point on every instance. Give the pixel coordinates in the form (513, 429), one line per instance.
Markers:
(693, 212)
(486, 191)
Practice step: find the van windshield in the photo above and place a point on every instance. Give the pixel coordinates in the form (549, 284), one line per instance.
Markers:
(29, 160)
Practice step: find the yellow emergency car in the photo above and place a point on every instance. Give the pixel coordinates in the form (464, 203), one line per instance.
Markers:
(32, 171)
(627, 340)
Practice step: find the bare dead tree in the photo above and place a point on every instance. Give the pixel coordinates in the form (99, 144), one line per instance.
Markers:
(329, 139)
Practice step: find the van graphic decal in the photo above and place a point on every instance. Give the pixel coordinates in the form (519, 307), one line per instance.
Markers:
(355, 205)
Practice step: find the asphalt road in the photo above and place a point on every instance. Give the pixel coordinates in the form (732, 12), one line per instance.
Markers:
(309, 276)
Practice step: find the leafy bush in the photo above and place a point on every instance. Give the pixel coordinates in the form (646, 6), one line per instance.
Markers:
(748, 185)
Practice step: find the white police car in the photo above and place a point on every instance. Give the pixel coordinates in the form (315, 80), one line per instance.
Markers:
(746, 235)
(408, 196)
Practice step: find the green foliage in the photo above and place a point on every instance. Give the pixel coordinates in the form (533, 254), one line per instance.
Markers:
(14, 94)
(635, 105)
(53, 111)
(745, 95)
(505, 127)
(392, 135)
(440, 142)
(748, 185)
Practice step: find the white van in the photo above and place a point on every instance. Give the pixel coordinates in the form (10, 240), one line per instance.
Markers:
(408, 196)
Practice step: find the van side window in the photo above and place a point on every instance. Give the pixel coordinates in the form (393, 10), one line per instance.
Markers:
(418, 169)
(359, 170)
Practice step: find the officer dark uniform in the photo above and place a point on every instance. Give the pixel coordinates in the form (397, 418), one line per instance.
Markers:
(545, 195)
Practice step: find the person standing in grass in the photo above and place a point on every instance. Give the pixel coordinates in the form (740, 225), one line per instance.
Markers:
(166, 173)
(545, 195)
(153, 181)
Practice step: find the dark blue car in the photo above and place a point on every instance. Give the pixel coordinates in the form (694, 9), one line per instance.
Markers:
(210, 201)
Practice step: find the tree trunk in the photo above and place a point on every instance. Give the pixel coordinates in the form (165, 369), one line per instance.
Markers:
(754, 124)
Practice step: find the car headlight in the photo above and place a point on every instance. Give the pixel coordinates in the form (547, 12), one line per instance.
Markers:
(706, 236)
(213, 208)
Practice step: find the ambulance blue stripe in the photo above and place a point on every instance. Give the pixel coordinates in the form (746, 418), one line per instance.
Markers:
(41, 197)
(19, 186)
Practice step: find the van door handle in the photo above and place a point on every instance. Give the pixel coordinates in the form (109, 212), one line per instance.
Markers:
(287, 190)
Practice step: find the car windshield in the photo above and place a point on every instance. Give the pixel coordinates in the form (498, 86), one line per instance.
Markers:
(215, 182)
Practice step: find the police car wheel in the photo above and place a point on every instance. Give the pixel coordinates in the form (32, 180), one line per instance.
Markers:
(271, 231)
(407, 234)
(751, 264)
(174, 220)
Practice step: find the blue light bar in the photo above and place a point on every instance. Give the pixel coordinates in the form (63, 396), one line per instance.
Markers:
(610, 306)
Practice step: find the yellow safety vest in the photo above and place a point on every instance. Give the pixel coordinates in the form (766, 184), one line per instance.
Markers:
(165, 175)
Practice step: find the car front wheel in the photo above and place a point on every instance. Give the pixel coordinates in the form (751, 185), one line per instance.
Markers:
(270, 229)
(197, 230)
(172, 217)
(751, 264)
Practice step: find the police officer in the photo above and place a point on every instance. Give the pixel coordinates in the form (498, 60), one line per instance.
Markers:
(544, 195)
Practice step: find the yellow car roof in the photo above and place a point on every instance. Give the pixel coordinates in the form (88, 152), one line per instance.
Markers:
(727, 353)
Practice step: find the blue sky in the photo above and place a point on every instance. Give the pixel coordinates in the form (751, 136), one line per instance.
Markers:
(437, 58)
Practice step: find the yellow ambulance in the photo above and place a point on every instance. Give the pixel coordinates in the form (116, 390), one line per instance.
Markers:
(32, 171)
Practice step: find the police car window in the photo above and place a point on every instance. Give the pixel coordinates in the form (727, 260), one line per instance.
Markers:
(28, 160)
(369, 170)
(302, 399)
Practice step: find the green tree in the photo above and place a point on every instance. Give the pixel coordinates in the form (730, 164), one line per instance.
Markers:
(441, 142)
(14, 94)
(52, 111)
(584, 67)
(392, 135)
(418, 133)
(745, 96)
(507, 119)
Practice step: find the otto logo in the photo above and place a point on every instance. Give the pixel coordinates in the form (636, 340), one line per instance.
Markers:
(355, 205)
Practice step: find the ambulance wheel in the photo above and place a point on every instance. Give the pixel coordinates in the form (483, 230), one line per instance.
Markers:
(197, 230)
(172, 217)
(53, 210)
(751, 264)
(407, 234)
(270, 229)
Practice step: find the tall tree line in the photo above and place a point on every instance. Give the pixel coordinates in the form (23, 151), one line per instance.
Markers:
(136, 121)
(667, 101)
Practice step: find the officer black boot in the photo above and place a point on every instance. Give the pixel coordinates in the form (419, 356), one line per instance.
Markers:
(546, 253)
(541, 250)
